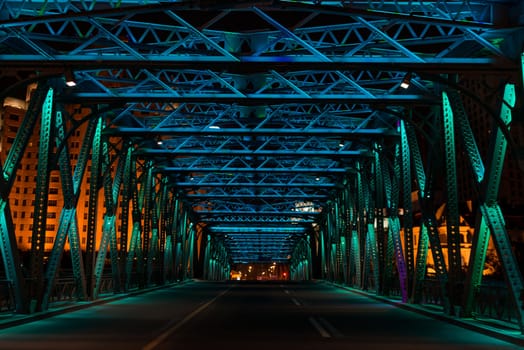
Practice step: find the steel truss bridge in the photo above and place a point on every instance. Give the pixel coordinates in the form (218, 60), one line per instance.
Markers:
(268, 131)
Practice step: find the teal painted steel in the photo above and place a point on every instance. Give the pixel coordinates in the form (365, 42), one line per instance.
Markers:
(454, 237)
(94, 185)
(47, 126)
(407, 215)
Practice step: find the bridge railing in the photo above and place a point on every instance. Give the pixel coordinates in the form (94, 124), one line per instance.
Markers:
(492, 301)
(7, 299)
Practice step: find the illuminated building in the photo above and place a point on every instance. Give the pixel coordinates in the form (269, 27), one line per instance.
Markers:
(21, 198)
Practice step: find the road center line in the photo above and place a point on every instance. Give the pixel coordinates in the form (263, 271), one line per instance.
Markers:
(296, 302)
(332, 330)
(163, 336)
(323, 332)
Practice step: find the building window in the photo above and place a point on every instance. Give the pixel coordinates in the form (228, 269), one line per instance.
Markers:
(20, 239)
(50, 227)
(15, 214)
(22, 215)
(52, 203)
(22, 227)
(53, 191)
(29, 239)
(49, 239)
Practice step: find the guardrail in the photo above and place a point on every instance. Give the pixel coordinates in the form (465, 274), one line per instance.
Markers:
(491, 300)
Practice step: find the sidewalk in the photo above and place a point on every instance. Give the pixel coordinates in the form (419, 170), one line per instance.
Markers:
(12, 319)
(497, 329)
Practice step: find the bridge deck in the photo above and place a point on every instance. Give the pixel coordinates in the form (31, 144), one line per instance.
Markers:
(198, 315)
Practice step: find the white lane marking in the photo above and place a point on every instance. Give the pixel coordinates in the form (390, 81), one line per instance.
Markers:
(296, 302)
(286, 291)
(331, 329)
(323, 332)
(163, 336)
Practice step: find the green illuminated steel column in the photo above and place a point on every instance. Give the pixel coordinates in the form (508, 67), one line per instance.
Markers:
(68, 224)
(108, 239)
(300, 267)
(47, 128)
(134, 256)
(95, 184)
(148, 185)
(163, 214)
(452, 217)
(423, 239)
(8, 245)
(171, 240)
(393, 253)
(381, 235)
(493, 218)
(407, 215)
(153, 253)
(124, 220)
(180, 237)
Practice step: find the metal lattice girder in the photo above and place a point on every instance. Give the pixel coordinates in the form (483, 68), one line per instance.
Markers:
(8, 245)
(468, 12)
(257, 218)
(452, 217)
(239, 164)
(271, 246)
(406, 203)
(47, 126)
(94, 185)
(68, 225)
(466, 134)
(111, 184)
(492, 217)
(158, 116)
(160, 32)
(312, 86)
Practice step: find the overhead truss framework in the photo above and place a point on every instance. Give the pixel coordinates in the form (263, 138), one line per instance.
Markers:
(280, 131)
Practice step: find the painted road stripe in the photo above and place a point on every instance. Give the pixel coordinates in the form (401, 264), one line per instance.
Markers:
(332, 330)
(158, 340)
(323, 332)
(296, 302)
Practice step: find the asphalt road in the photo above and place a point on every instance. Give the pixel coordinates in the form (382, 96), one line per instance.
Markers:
(250, 316)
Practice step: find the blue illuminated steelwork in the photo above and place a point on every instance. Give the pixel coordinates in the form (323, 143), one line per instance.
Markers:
(276, 138)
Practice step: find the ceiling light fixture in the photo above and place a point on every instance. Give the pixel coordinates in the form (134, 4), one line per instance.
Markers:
(406, 81)
(69, 78)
